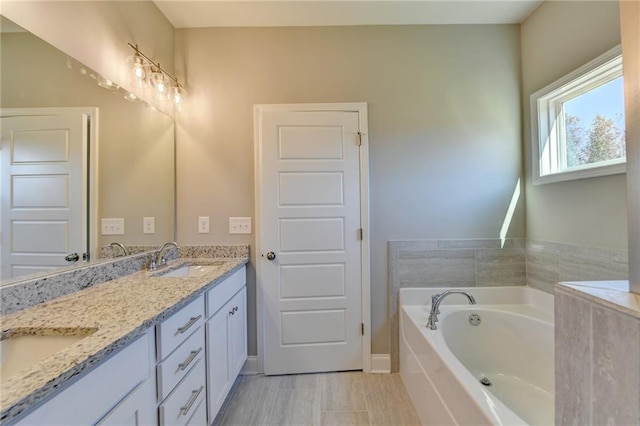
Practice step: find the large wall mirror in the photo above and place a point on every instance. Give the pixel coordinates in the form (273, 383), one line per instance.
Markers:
(76, 150)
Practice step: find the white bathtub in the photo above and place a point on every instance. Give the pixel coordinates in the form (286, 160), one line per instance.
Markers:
(512, 347)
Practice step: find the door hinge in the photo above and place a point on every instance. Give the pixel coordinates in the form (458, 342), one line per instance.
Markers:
(360, 234)
(360, 138)
(362, 328)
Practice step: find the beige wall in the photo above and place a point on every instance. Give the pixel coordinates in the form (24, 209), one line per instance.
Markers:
(630, 22)
(136, 142)
(444, 124)
(97, 32)
(557, 38)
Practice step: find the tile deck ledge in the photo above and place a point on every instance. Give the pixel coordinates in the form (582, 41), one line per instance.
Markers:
(613, 294)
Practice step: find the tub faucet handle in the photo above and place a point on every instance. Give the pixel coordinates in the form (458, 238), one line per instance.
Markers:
(434, 300)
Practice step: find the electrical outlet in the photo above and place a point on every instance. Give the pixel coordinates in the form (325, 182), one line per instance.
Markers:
(112, 226)
(149, 225)
(239, 225)
(203, 225)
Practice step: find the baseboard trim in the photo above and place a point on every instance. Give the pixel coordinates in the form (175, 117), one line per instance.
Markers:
(380, 363)
(250, 367)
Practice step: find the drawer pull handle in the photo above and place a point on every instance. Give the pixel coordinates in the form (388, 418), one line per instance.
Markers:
(188, 325)
(194, 395)
(184, 364)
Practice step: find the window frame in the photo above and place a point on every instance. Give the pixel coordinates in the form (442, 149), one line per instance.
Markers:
(547, 122)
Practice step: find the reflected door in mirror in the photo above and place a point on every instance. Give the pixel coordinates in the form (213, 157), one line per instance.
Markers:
(43, 183)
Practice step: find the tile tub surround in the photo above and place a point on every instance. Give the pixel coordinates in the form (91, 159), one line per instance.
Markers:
(25, 292)
(121, 310)
(482, 262)
(597, 353)
(450, 263)
(551, 262)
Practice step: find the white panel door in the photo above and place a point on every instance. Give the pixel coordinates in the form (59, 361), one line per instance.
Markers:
(310, 220)
(43, 192)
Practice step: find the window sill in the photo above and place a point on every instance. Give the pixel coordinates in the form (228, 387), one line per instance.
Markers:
(613, 169)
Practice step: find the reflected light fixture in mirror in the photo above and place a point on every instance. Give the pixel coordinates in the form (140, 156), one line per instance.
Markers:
(145, 73)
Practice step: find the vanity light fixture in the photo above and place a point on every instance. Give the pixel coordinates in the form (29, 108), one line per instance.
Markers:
(146, 73)
(139, 69)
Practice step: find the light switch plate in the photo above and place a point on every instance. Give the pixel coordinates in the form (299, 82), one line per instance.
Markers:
(112, 226)
(239, 225)
(203, 224)
(149, 225)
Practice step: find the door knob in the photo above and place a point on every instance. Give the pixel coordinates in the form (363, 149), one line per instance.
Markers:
(73, 257)
(271, 255)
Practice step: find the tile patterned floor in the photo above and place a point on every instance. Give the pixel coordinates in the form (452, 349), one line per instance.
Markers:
(348, 398)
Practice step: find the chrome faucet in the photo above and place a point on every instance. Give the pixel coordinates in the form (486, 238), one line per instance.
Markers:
(436, 299)
(125, 252)
(159, 260)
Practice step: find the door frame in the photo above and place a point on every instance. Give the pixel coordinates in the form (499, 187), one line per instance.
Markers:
(89, 174)
(365, 245)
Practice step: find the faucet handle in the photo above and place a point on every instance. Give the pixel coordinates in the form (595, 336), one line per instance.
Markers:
(434, 300)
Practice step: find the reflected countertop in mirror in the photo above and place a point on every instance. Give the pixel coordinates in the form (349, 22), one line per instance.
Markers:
(133, 162)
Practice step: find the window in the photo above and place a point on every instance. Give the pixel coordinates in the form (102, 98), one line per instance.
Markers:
(577, 123)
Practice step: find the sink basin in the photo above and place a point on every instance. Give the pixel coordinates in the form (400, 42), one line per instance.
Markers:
(19, 352)
(191, 270)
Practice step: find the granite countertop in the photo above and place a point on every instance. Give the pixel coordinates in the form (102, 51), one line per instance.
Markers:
(117, 312)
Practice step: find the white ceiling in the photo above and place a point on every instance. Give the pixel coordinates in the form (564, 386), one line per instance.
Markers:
(270, 13)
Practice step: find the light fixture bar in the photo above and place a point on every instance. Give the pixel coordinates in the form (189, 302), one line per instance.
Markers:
(155, 65)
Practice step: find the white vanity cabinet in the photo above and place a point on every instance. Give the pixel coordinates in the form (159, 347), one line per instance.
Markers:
(226, 338)
(119, 391)
(178, 373)
(181, 372)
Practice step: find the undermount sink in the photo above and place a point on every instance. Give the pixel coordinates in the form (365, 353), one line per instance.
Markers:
(20, 351)
(190, 270)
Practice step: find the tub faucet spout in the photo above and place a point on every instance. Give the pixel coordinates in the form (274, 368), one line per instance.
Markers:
(435, 305)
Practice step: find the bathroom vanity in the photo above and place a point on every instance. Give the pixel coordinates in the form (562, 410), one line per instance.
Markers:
(149, 348)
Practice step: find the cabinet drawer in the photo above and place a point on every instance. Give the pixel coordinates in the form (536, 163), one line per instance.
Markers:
(185, 399)
(199, 417)
(178, 364)
(220, 294)
(175, 329)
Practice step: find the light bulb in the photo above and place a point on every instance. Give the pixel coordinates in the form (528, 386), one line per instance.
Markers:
(178, 97)
(139, 70)
(160, 82)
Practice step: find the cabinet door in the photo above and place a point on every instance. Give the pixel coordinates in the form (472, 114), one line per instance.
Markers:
(137, 408)
(217, 360)
(95, 394)
(238, 333)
